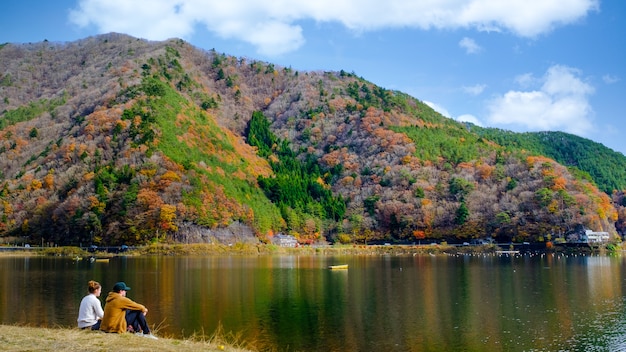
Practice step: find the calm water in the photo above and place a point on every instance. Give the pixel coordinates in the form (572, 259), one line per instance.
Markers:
(294, 303)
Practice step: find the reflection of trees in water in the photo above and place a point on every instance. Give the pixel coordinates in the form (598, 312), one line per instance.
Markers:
(446, 302)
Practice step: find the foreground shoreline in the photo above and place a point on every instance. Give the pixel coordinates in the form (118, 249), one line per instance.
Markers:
(27, 338)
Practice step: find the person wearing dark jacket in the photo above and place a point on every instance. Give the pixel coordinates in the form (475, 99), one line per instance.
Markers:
(121, 313)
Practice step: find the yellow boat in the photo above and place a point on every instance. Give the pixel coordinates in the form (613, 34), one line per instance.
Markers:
(338, 267)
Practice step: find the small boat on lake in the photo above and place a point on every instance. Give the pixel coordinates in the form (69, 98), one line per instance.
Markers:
(338, 267)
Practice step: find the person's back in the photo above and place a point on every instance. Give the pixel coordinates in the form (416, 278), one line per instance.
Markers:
(90, 312)
(115, 312)
(119, 311)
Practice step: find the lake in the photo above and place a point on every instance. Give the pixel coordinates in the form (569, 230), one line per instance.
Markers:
(381, 303)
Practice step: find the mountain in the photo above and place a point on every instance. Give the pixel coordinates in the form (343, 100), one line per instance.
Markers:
(112, 139)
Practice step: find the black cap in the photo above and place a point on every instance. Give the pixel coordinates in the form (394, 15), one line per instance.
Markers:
(120, 286)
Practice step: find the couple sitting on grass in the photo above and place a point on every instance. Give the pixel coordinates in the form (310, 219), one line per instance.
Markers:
(120, 313)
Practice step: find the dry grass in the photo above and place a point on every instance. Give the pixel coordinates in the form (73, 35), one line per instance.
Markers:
(210, 249)
(25, 338)
(202, 249)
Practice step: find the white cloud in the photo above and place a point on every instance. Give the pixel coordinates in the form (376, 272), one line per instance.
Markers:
(563, 81)
(275, 38)
(438, 108)
(462, 118)
(469, 118)
(610, 79)
(272, 25)
(560, 103)
(525, 80)
(477, 89)
(470, 46)
(156, 20)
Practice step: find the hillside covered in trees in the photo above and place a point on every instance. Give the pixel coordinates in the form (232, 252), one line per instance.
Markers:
(112, 139)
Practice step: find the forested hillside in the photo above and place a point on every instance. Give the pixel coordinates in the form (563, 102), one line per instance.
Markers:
(112, 140)
(606, 167)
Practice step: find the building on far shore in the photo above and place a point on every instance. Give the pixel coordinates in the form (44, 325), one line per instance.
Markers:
(596, 236)
(585, 235)
(285, 240)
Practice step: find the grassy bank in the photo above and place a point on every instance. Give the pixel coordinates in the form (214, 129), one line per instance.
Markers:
(208, 249)
(351, 249)
(24, 338)
(204, 249)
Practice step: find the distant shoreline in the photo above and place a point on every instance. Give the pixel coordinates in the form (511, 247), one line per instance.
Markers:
(269, 249)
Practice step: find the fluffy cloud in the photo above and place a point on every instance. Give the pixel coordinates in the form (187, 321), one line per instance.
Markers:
(560, 103)
(469, 118)
(462, 118)
(470, 46)
(272, 26)
(526, 80)
(477, 89)
(438, 108)
(610, 79)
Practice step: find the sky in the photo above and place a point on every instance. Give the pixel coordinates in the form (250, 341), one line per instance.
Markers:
(519, 65)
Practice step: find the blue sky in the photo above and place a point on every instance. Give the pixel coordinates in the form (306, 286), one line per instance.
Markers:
(521, 65)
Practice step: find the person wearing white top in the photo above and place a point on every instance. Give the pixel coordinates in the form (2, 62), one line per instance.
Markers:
(90, 313)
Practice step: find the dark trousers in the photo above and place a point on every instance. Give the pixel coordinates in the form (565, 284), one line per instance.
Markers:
(95, 326)
(137, 320)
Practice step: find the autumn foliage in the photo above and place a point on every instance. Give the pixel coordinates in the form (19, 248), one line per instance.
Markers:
(113, 140)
